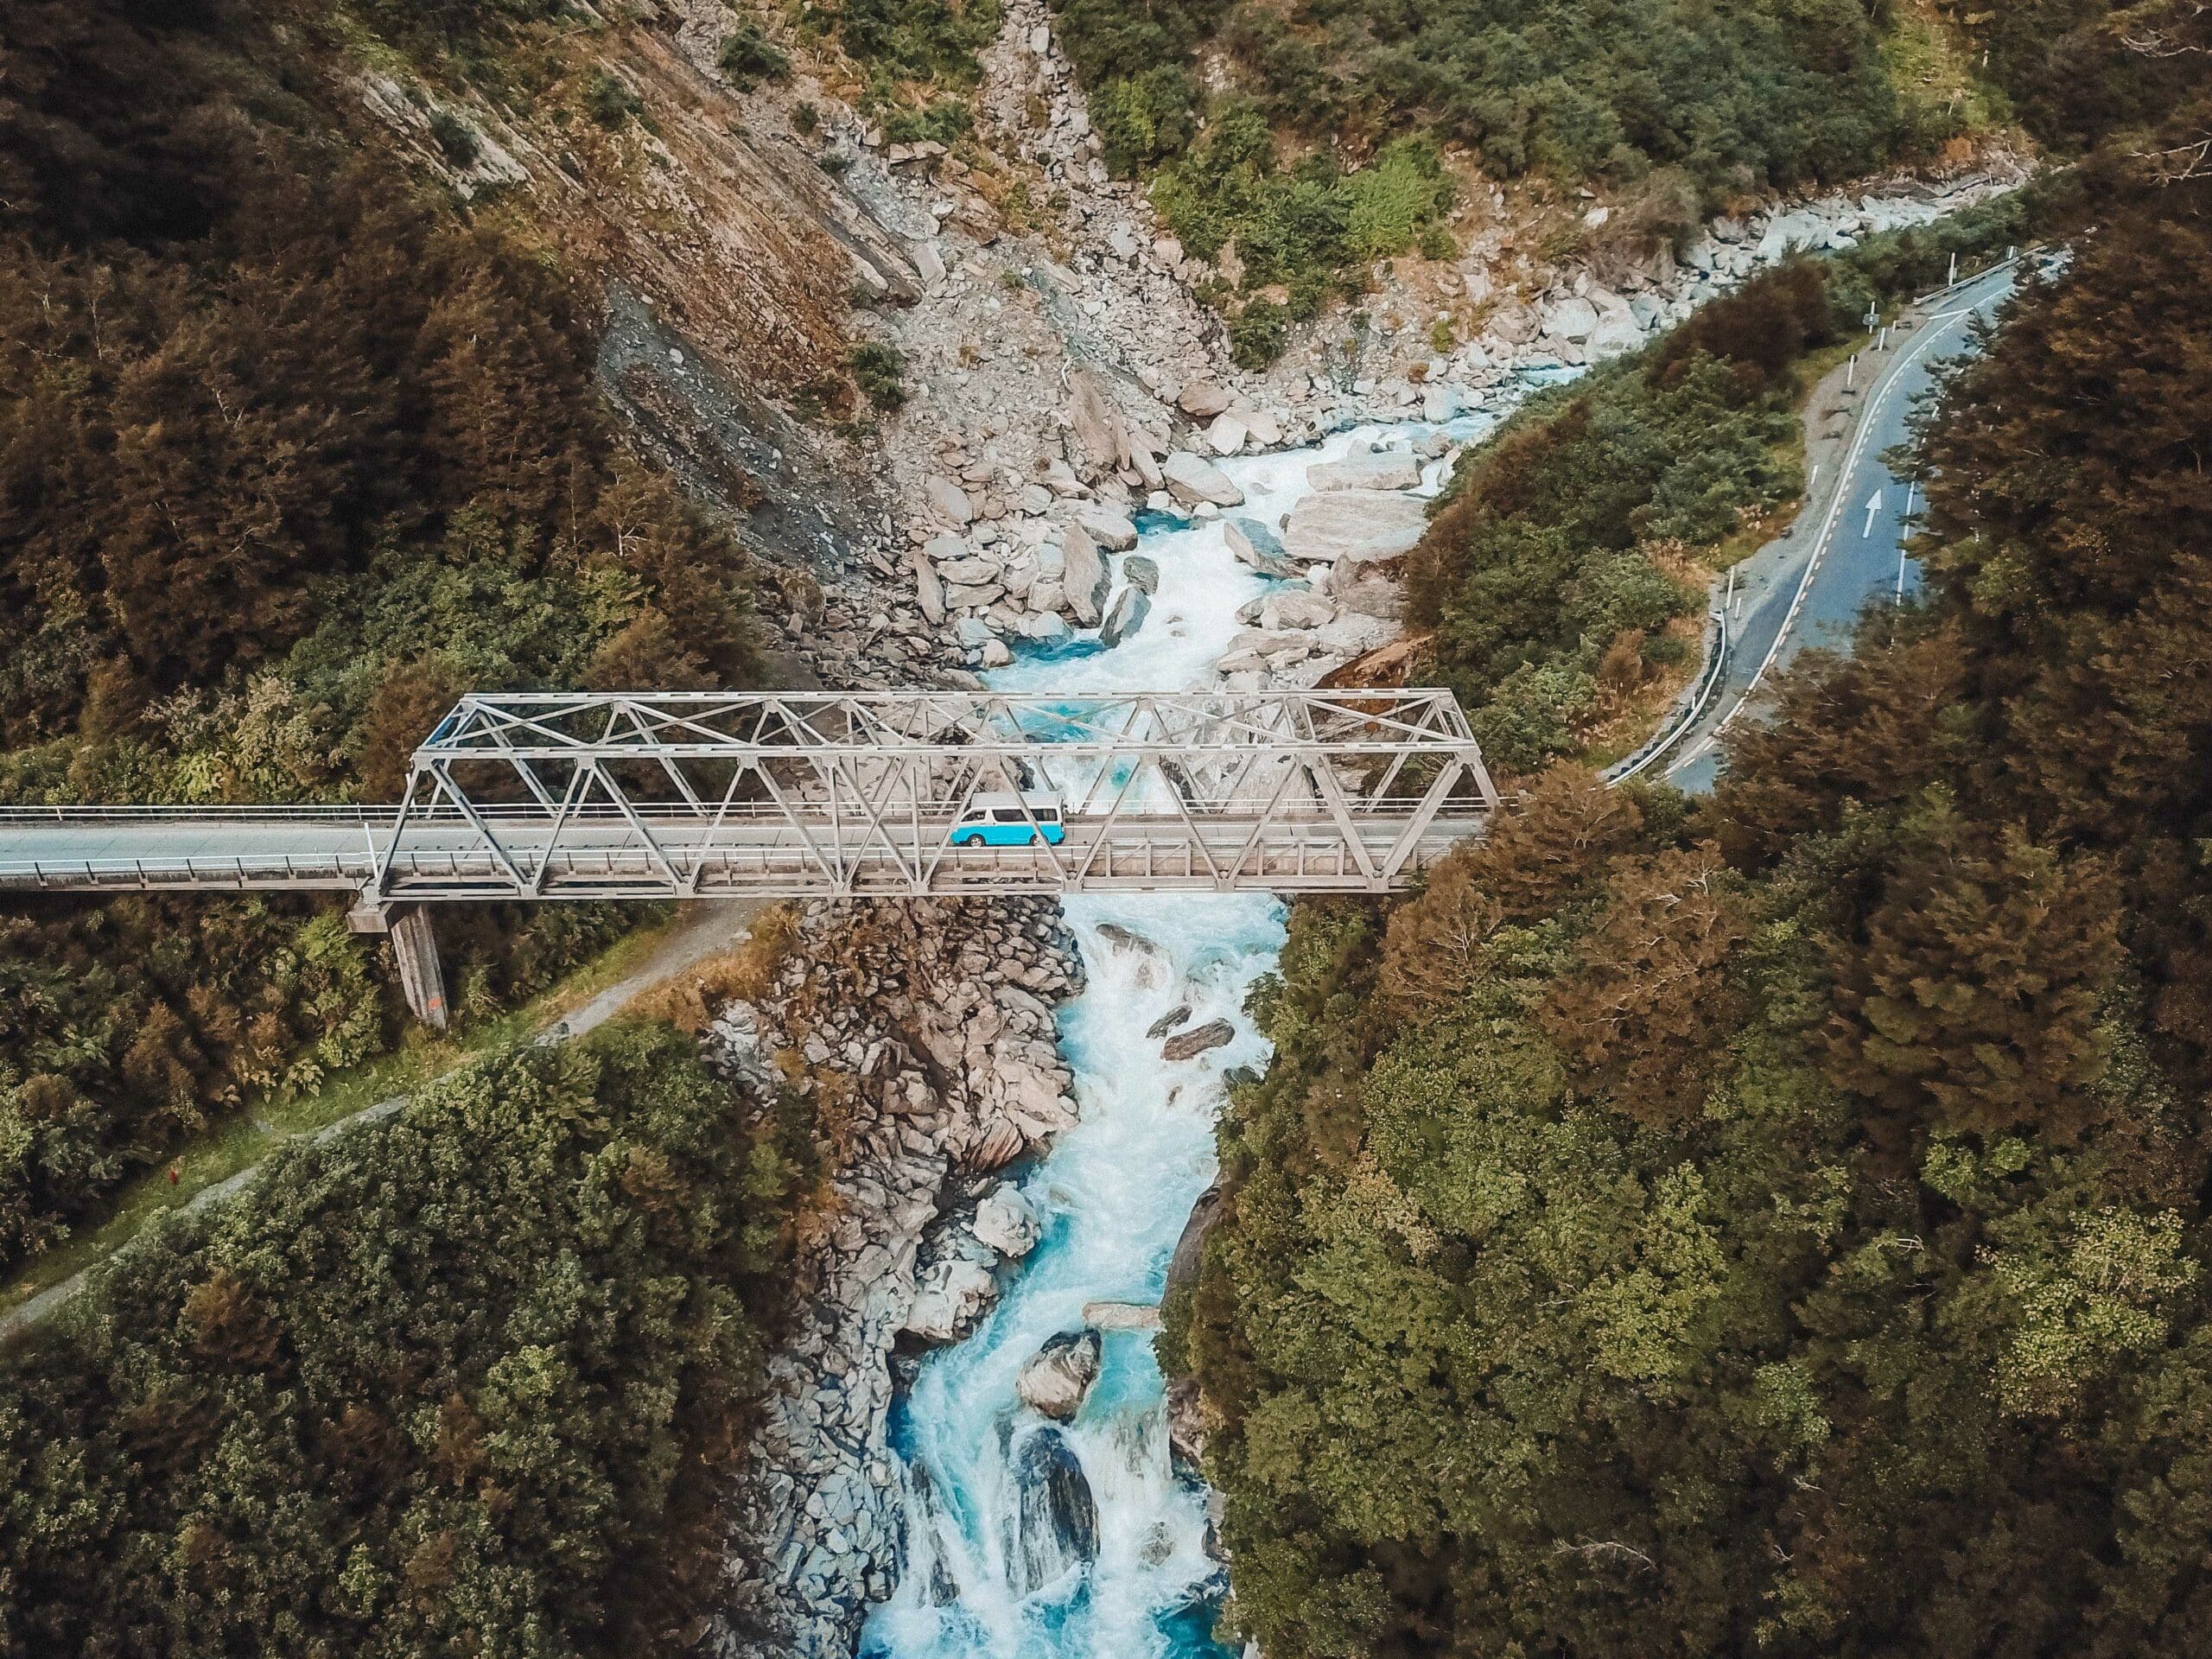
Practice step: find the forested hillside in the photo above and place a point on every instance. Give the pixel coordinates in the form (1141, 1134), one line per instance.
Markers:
(1559, 585)
(470, 1380)
(1673, 108)
(1777, 1223)
(291, 452)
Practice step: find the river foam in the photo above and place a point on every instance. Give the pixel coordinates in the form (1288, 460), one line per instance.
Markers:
(980, 1582)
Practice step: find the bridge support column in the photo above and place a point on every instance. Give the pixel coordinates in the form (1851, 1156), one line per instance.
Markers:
(415, 948)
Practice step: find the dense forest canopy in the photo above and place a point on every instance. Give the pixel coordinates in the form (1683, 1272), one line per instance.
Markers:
(1778, 1223)
(1672, 105)
(291, 453)
(469, 1379)
(286, 456)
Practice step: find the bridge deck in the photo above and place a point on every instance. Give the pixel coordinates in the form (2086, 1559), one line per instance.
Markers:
(71, 850)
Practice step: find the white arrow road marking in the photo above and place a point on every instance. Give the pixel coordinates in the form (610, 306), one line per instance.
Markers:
(1873, 506)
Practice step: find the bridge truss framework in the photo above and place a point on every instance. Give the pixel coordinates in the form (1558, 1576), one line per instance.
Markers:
(545, 795)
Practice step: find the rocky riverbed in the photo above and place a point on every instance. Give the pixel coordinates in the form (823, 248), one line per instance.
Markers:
(921, 1036)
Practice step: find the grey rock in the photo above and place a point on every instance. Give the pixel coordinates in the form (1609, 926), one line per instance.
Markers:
(1255, 545)
(1167, 1022)
(1295, 610)
(1367, 524)
(948, 501)
(1111, 529)
(951, 1297)
(1131, 606)
(1121, 1316)
(1196, 1041)
(1141, 572)
(1005, 1222)
(1054, 1380)
(1572, 318)
(1056, 1518)
(1085, 578)
(1390, 469)
(1202, 400)
(1192, 481)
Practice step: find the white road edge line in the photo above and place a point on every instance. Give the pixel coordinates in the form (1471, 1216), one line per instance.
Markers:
(1866, 424)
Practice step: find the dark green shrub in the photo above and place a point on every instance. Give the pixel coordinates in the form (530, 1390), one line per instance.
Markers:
(1257, 334)
(455, 139)
(749, 57)
(878, 367)
(611, 101)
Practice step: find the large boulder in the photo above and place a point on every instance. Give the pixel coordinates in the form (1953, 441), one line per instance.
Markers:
(1084, 577)
(1188, 1046)
(1803, 229)
(1095, 422)
(1131, 606)
(1111, 529)
(951, 1298)
(948, 501)
(1255, 545)
(1227, 434)
(1572, 318)
(1386, 469)
(1294, 609)
(928, 592)
(1192, 481)
(1618, 329)
(1055, 1378)
(1202, 400)
(1056, 1518)
(1364, 524)
(1122, 1315)
(1005, 1222)
(1141, 572)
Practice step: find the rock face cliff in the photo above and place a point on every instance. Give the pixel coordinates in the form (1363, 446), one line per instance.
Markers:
(921, 1036)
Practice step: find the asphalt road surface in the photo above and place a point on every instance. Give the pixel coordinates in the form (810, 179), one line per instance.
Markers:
(1845, 551)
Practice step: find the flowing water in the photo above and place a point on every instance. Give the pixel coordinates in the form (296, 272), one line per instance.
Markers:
(1026, 1540)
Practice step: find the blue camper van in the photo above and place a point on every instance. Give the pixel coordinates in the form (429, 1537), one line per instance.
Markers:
(1003, 820)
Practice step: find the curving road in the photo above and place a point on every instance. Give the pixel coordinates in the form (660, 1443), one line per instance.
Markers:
(1846, 550)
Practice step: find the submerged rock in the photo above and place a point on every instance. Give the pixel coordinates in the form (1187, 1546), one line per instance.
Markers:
(1055, 1378)
(1056, 1518)
(1254, 545)
(1123, 939)
(1167, 1022)
(1131, 606)
(1197, 1041)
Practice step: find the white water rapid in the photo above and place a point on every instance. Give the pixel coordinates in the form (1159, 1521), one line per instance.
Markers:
(1026, 1540)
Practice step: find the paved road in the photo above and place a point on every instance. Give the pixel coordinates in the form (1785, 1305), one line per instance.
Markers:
(1809, 586)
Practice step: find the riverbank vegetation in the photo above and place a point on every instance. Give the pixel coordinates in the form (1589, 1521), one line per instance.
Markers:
(1777, 1223)
(1557, 577)
(469, 1379)
(1320, 109)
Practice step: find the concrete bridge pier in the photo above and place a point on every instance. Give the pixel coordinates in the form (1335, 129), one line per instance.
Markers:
(415, 948)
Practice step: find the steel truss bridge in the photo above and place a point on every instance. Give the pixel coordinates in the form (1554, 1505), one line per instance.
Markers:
(690, 794)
